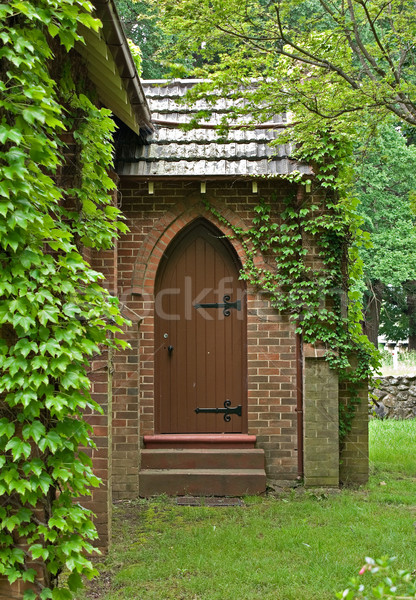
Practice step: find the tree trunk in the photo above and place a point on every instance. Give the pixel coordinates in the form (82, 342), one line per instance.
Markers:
(411, 312)
(372, 309)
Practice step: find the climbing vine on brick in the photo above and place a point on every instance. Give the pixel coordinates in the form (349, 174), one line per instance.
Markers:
(317, 290)
(54, 315)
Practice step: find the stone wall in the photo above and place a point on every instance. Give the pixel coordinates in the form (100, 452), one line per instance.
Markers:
(396, 397)
(320, 421)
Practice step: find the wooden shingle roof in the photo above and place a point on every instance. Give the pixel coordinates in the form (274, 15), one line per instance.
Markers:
(172, 151)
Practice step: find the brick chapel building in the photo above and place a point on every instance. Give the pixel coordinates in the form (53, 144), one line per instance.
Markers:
(217, 394)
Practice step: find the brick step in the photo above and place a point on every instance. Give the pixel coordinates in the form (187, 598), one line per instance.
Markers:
(202, 482)
(199, 440)
(202, 458)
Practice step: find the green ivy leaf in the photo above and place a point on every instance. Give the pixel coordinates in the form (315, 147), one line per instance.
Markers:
(61, 594)
(35, 430)
(53, 30)
(75, 582)
(49, 313)
(71, 379)
(58, 522)
(7, 428)
(29, 575)
(38, 551)
(33, 114)
(51, 440)
(42, 481)
(18, 448)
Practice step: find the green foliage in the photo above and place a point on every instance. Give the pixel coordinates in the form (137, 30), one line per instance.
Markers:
(385, 186)
(333, 58)
(137, 56)
(324, 64)
(386, 582)
(140, 25)
(54, 315)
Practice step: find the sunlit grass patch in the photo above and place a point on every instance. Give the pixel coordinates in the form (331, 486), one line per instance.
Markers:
(393, 446)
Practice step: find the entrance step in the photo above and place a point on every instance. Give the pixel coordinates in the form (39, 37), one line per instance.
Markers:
(174, 458)
(202, 472)
(195, 440)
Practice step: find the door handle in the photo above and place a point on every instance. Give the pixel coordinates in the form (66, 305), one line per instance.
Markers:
(170, 348)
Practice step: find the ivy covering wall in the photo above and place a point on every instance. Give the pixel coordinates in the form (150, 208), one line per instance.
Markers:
(54, 316)
(312, 271)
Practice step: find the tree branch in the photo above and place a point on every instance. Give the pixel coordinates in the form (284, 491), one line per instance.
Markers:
(360, 43)
(310, 58)
(379, 44)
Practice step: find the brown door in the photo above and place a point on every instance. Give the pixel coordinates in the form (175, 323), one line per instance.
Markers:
(200, 351)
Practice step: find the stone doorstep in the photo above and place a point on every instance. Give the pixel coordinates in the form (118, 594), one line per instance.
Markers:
(202, 482)
(202, 471)
(202, 458)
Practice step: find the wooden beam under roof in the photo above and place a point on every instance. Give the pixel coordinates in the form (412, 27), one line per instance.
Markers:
(112, 69)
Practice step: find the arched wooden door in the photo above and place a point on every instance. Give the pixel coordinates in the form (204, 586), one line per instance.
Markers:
(200, 350)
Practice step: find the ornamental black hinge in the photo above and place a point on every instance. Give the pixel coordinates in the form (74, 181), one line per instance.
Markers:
(226, 305)
(227, 410)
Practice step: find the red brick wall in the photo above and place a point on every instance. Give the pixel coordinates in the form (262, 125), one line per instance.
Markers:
(100, 501)
(15, 591)
(101, 376)
(154, 220)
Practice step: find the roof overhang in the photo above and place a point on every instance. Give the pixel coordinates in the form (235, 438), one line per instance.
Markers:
(112, 69)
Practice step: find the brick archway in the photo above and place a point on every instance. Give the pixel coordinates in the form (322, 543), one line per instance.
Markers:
(156, 242)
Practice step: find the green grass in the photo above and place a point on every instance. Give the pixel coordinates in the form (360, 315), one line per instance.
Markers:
(393, 446)
(297, 546)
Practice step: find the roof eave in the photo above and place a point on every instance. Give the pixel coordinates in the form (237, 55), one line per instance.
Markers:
(137, 115)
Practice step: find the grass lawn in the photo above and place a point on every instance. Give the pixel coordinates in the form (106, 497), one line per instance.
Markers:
(300, 545)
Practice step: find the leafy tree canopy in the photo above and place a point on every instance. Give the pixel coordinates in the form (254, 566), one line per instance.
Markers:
(332, 57)
(386, 185)
(139, 19)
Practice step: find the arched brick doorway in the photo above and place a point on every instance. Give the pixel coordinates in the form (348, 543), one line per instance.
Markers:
(200, 335)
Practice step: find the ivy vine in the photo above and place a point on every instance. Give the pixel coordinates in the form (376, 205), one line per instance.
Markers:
(55, 200)
(319, 292)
